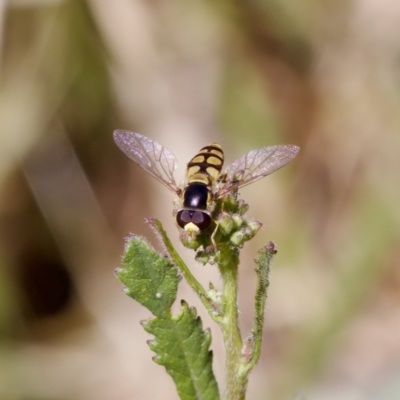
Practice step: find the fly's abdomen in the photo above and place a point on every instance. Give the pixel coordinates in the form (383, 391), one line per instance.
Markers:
(205, 167)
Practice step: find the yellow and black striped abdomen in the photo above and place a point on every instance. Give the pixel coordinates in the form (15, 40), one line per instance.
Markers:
(206, 165)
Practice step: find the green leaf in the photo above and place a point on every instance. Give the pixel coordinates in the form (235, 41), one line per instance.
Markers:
(182, 347)
(149, 278)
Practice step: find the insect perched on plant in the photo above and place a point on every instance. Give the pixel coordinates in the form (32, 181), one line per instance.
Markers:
(205, 183)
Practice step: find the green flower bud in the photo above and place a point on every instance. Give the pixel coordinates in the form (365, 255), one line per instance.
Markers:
(202, 257)
(189, 240)
(237, 220)
(243, 207)
(225, 223)
(237, 238)
(216, 299)
(230, 203)
(251, 229)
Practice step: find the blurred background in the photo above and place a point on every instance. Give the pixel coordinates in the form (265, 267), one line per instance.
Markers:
(320, 74)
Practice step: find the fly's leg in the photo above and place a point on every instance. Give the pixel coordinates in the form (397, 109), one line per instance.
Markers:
(213, 235)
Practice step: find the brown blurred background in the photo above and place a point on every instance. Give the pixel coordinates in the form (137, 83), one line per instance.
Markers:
(324, 75)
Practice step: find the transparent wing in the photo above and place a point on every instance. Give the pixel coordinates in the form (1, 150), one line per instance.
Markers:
(150, 155)
(256, 164)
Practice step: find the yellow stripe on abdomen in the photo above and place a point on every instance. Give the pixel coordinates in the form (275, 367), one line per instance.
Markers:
(206, 165)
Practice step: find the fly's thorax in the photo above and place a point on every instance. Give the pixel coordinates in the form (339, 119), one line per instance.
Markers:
(205, 167)
(196, 195)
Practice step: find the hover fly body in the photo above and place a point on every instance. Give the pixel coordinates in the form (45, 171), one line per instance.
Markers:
(203, 170)
(205, 183)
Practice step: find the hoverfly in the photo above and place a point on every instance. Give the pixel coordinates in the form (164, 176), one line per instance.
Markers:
(205, 183)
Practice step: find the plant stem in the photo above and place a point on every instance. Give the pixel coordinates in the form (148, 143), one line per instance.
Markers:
(263, 261)
(236, 382)
(190, 278)
(241, 356)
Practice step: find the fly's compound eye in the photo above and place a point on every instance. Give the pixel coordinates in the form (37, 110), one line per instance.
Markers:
(199, 218)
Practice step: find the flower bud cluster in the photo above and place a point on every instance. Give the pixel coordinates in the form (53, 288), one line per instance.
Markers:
(233, 225)
(230, 227)
(237, 228)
